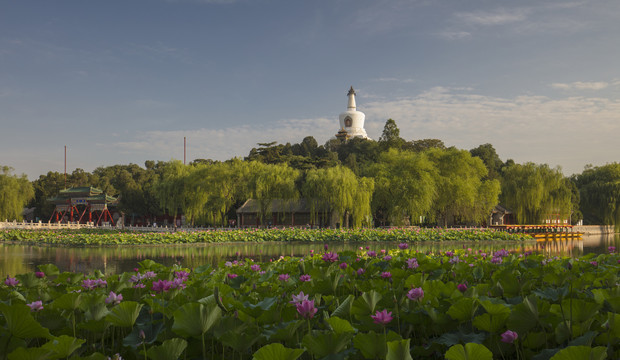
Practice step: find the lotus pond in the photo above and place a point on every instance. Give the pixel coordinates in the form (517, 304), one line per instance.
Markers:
(362, 304)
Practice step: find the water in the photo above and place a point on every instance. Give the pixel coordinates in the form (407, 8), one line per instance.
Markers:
(19, 259)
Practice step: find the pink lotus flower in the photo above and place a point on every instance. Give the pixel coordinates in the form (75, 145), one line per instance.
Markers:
(232, 276)
(162, 286)
(387, 258)
(343, 266)
(39, 274)
(412, 263)
(284, 277)
(299, 298)
(360, 271)
(386, 275)
(113, 298)
(611, 249)
(462, 287)
(330, 257)
(11, 281)
(305, 277)
(306, 309)
(403, 246)
(415, 294)
(255, 267)
(509, 336)
(371, 253)
(382, 317)
(36, 305)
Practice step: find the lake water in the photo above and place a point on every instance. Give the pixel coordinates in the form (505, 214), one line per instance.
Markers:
(19, 259)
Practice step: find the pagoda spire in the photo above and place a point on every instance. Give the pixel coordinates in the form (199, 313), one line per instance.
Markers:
(351, 106)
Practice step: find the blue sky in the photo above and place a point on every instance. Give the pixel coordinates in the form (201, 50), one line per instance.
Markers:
(122, 82)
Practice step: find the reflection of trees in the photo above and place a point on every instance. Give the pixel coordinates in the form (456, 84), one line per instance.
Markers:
(19, 259)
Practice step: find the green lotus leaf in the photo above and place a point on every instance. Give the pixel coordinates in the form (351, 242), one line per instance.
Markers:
(277, 352)
(470, 351)
(321, 344)
(373, 345)
(490, 323)
(69, 301)
(20, 322)
(365, 304)
(195, 319)
(63, 346)
(449, 339)
(30, 354)
(49, 269)
(344, 309)
(340, 326)
(124, 314)
(398, 350)
(170, 349)
(241, 338)
(463, 309)
(581, 353)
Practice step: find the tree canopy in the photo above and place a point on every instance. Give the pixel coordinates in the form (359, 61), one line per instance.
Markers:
(15, 192)
(599, 189)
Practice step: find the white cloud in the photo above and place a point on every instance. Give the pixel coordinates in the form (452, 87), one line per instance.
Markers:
(454, 35)
(579, 85)
(497, 17)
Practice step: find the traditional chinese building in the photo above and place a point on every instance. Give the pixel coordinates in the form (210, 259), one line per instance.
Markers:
(73, 205)
(352, 121)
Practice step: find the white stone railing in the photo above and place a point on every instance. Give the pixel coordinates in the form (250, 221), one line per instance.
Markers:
(42, 225)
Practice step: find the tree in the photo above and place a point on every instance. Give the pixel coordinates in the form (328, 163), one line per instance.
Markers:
(490, 158)
(425, 144)
(45, 187)
(267, 182)
(338, 190)
(462, 194)
(390, 138)
(15, 192)
(404, 186)
(535, 192)
(599, 189)
(170, 190)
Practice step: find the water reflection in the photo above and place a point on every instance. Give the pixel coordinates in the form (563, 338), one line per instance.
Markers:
(19, 259)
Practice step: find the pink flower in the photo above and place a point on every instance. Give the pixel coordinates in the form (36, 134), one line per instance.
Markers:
(284, 277)
(403, 246)
(11, 281)
(594, 263)
(113, 298)
(255, 267)
(343, 266)
(360, 271)
(305, 277)
(306, 309)
(509, 336)
(299, 298)
(39, 274)
(386, 275)
(36, 305)
(611, 249)
(412, 263)
(387, 258)
(183, 275)
(462, 287)
(415, 294)
(371, 253)
(232, 276)
(382, 317)
(161, 286)
(330, 257)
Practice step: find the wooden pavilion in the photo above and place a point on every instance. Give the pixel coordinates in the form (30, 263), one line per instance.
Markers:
(77, 201)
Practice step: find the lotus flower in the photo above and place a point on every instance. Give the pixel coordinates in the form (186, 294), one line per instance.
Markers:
(382, 317)
(305, 277)
(415, 294)
(306, 309)
(36, 305)
(509, 336)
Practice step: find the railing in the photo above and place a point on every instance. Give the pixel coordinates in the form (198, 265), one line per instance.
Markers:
(41, 225)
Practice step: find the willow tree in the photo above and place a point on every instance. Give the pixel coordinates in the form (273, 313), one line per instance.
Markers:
(15, 192)
(599, 190)
(339, 191)
(268, 182)
(404, 186)
(462, 194)
(171, 189)
(214, 188)
(535, 192)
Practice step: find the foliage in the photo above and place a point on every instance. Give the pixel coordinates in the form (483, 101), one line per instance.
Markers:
(599, 189)
(114, 237)
(536, 192)
(558, 308)
(15, 192)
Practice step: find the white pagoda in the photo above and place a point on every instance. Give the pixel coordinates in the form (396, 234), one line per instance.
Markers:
(352, 121)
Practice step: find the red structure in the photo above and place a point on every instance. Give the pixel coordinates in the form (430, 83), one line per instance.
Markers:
(73, 204)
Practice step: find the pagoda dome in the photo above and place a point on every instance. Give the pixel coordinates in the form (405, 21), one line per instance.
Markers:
(352, 121)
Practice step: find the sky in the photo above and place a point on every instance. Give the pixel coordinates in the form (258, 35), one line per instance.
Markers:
(124, 81)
